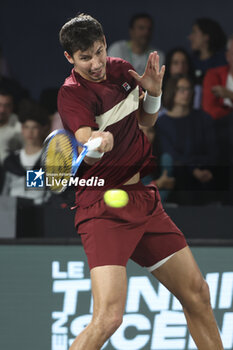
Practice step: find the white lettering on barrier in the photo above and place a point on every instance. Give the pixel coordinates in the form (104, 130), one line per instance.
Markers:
(75, 269)
(71, 290)
(227, 331)
(213, 279)
(169, 331)
(91, 305)
(142, 287)
(79, 323)
(191, 344)
(141, 323)
(176, 305)
(56, 273)
(58, 326)
(59, 342)
(226, 291)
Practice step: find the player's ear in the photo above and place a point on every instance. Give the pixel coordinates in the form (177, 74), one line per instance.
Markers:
(68, 57)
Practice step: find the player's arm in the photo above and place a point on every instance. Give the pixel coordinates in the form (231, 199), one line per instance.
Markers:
(145, 119)
(151, 82)
(84, 133)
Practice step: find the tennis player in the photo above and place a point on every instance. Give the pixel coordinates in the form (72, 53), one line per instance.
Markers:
(103, 97)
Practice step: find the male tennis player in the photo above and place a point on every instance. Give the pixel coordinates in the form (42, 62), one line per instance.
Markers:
(103, 97)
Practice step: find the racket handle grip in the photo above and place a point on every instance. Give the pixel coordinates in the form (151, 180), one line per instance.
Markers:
(93, 143)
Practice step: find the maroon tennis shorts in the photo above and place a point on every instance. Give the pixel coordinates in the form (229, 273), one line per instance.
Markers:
(140, 231)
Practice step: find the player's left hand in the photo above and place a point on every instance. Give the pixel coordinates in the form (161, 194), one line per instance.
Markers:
(152, 78)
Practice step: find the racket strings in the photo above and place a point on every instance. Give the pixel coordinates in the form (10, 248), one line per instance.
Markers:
(59, 155)
(58, 161)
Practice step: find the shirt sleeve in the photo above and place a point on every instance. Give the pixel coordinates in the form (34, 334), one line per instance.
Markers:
(76, 110)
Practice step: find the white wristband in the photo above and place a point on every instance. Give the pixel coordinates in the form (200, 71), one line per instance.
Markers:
(94, 154)
(151, 104)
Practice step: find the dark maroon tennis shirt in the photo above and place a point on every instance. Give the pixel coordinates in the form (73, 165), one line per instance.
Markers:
(109, 105)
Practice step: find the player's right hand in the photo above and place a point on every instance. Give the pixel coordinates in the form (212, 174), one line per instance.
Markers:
(107, 140)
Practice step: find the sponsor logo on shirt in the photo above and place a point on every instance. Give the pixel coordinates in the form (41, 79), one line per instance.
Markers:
(126, 86)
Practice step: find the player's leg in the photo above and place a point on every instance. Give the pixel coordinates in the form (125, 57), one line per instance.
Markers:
(181, 275)
(109, 288)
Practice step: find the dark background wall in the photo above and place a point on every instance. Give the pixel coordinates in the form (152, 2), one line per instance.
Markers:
(29, 30)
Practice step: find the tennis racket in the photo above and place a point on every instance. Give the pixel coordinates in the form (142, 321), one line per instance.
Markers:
(61, 158)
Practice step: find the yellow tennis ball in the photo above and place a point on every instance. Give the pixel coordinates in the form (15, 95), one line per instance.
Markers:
(116, 198)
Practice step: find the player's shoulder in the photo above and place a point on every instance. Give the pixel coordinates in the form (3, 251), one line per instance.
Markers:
(71, 86)
(71, 82)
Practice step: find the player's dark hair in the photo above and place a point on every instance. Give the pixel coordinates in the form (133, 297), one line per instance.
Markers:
(171, 89)
(31, 110)
(217, 37)
(137, 16)
(80, 33)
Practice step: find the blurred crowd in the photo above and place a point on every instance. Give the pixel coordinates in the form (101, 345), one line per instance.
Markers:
(192, 139)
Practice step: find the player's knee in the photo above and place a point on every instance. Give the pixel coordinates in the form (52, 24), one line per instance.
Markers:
(197, 296)
(108, 323)
(114, 323)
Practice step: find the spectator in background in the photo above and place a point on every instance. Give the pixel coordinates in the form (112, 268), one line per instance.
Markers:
(218, 87)
(6, 83)
(186, 137)
(218, 102)
(48, 100)
(34, 127)
(10, 127)
(162, 177)
(178, 61)
(4, 68)
(137, 49)
(208, 42)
